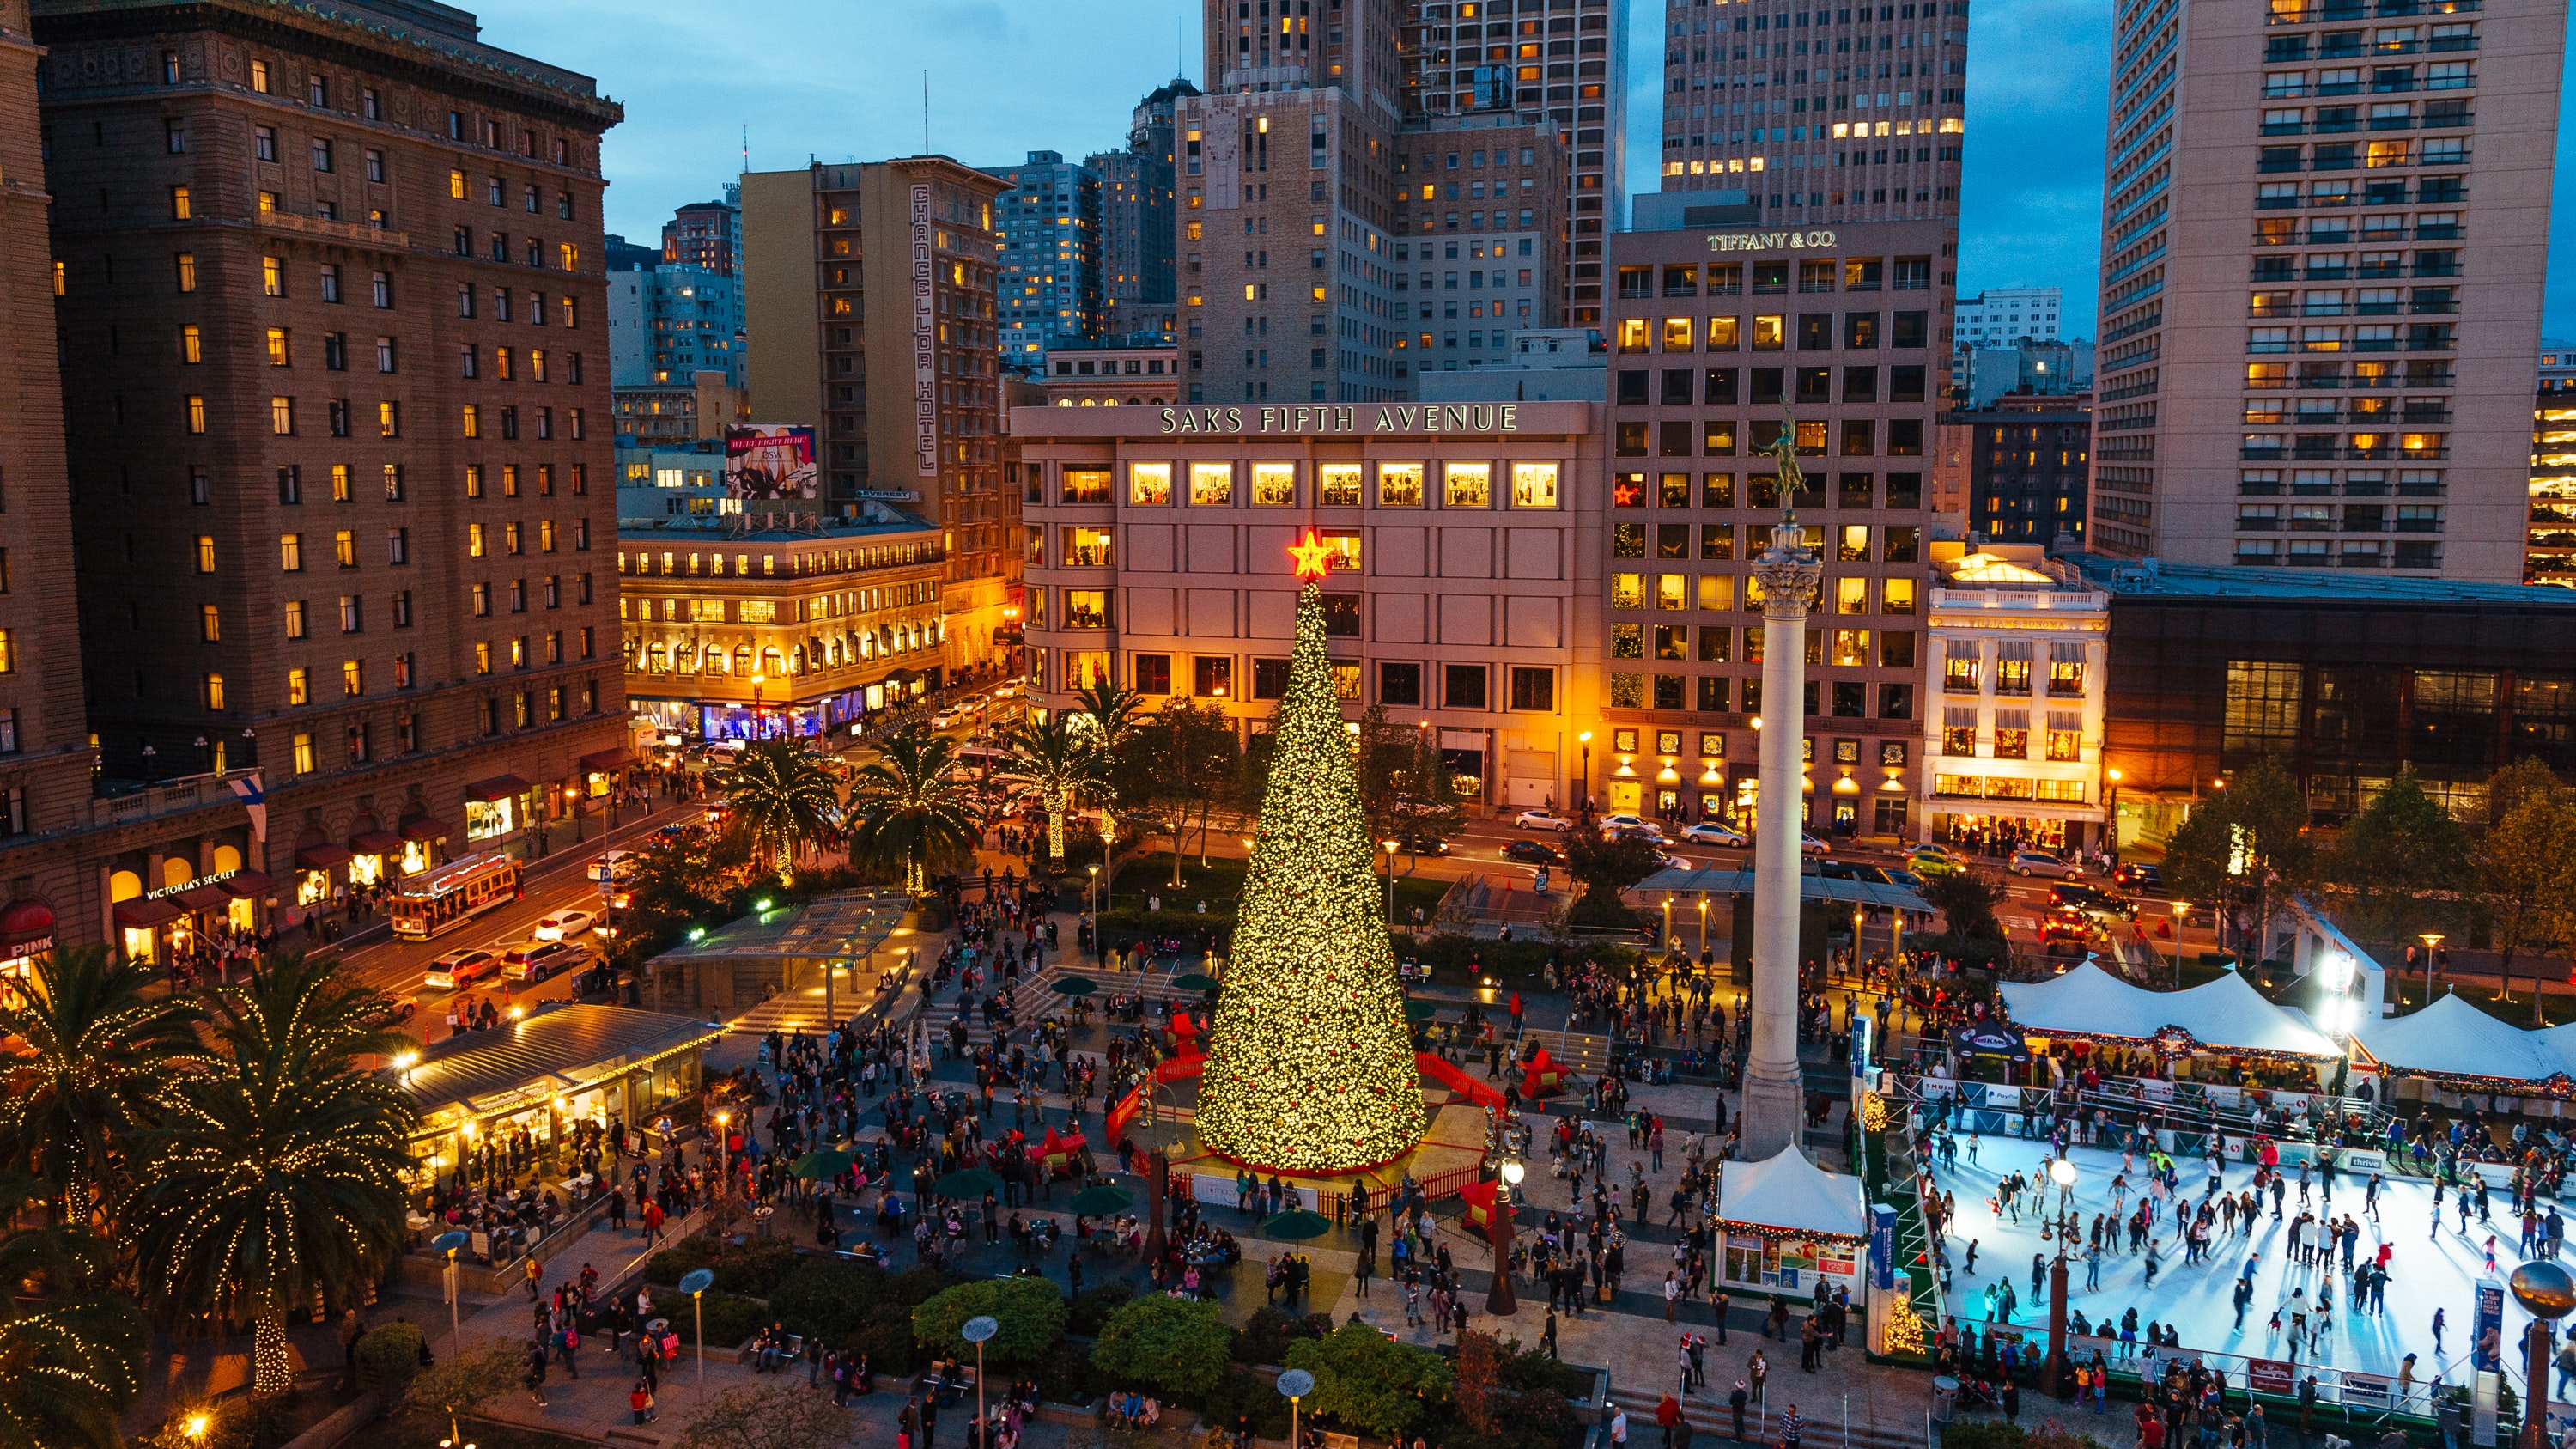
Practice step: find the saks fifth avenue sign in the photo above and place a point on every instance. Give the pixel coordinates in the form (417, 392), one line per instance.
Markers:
(1769, 241)
(1357, 420)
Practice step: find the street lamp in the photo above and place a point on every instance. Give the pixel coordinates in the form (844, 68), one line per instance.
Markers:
(448, 1243)
(2431, 939)
(2062, 1172)
(696, 1282)
(976, 1330)
(572, 807)
(1390, 880)
(1093, 895)
(723, 1119)
(757, 679)
(2181, 920)
(1296, 1384)
(2113, 776)
(1499, 1301)
(1703, 923)
(2547, 1291)
(1585, 740)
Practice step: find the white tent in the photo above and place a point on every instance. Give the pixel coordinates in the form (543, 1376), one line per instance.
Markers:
(2453, 1038)
(1790, 1192)
(2560, 1043)
(2220, 1015)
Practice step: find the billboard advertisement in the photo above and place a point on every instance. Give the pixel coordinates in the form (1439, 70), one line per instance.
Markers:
(769, 460)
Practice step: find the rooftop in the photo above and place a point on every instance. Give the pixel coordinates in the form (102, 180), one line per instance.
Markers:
(2135, 578)
(756, 528)
(561, 1047)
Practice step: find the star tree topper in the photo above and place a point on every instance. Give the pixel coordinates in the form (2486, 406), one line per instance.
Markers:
(1313, 557)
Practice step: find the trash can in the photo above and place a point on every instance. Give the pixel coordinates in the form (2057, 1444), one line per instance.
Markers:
(1945, 1399)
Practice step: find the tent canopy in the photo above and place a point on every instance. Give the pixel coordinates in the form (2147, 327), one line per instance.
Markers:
(1790, 1192)
(2453, 1038)
(2220, 1015)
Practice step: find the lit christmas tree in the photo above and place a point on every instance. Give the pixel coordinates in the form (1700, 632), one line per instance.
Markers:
(1310, 1066)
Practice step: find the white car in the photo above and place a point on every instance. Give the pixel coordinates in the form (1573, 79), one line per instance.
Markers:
(1542, 820)
(1008, 689)
(538, 960)
(1626, 825)
(947, 718)
(565, 925)
(459, 969)
(1712, 832)
(1810, 845)
(2028, 863)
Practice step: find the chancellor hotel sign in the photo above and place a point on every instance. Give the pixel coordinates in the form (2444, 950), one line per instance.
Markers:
(1769, 241)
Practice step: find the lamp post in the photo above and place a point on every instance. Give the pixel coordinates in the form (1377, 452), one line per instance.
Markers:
(2547, 1291)
(694, 1283)
(1390, 880)
(448, 1243)
(757, 679)
(1584, 739)
(2431, 940)
(1093, 896)
(2061, 1172)
(1296, 1384)
(2181, 922)
(572, 807)
(976, 1330)
(1703, 923)
(2113, 776)
(1500, 1301)
(723, 1120)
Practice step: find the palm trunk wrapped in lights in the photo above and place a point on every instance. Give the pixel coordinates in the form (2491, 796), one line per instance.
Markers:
(1057, 803)
(272, 1368)
(1310, 1065)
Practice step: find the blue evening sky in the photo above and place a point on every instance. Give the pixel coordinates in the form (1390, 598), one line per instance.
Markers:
(842, 79)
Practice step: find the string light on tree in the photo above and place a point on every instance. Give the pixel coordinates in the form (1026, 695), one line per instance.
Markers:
(1310, 1065)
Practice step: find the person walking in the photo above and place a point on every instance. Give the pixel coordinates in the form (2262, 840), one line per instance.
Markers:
(535, 1379)
(1735, 1403)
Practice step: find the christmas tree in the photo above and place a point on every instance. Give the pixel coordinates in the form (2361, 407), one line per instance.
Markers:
(1310, 1066)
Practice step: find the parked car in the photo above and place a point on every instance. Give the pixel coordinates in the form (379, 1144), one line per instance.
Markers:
(395, 1011)
(1007, 689)
(1621, 826)
(1542, 820)
(1907, 879)
(1418, 842)
(1716, 832)
(2028, 863)
(1533, 852)
(538, 960)
(1934, 860)
(2143, 878)
(570, 923)
(459, 969)
(2092, 900)
(1810, 845)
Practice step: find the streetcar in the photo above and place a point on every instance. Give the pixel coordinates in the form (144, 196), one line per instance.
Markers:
(452, 894)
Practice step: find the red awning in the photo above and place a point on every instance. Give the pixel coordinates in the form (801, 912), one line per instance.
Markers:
(25, 921)
(323, 857)
(144, 915)
(201, 898)
(424, 827)
(499, 787)
(377, 842)
(605, 760)
(244, 884)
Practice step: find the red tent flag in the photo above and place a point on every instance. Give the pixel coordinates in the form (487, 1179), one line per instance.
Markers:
(1542, 1076)
(1479, 1200)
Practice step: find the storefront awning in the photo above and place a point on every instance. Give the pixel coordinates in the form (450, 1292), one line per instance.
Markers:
(25, 921)
(244, 884)
(606, 760)
(377, 842)
(201, 898)
(323, 857)
(144, 915)
(424, 827)
(499, 787)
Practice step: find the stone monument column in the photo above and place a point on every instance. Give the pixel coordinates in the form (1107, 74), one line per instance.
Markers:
(1774, 1098)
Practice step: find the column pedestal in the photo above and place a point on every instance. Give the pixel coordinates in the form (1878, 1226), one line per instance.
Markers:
(1774, 1107)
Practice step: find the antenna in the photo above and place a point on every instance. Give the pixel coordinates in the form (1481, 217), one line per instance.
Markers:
(746, 146)
(925, 110)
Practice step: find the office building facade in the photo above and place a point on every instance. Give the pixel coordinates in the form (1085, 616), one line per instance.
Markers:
(2002, 316)
(706, 235)
(1137, 259)
(1051, 292)
(1463, 597)
(345, 498)
(1819, 114)
(891, 267)
(2550, 549)
(1113, 374)
(1725, 343)
(2026, 464)
(1480, 241)
(2323, 240)
(673, 322)
(2017, 650)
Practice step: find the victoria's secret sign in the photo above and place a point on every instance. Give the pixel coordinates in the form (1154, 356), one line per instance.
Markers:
(1389, 418)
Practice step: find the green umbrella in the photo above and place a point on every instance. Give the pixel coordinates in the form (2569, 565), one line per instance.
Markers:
(966, 1183)
(1420, 1010)
(1093, 1202)
(1195, 982)
(1296, 1225)
(1074, 986)
(830, 1162)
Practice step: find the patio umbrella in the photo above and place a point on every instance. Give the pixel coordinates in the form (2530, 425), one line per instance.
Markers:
(1195, 981)
(1296, 1225)
(1074, 986)
(1420, 1010)
(1093, 1202)
(829, 1162)
(969, 1182)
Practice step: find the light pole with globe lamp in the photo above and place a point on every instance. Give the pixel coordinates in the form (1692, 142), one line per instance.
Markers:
(2062, 1172)
(1296, 1384)
(1500, 1300)
(1390, 880)
(2547, 1291)
(2432, 940)
(724, 1121)
(696, 1282)
(448, 1243)
(976, 1330)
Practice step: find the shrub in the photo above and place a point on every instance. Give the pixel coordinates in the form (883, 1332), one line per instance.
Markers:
(667, 1267)
(755, 1265)
(388, 1356)
(1265, 1339)
(1370, 1383)
(827, 1298)
(1173, 1347)
(915, 1286)
(730, 1318)
(1065, 1374)
(1031, 1313)
(1093, 1308)
(1530, 1371)
(885, 1335)
(1241, 1396)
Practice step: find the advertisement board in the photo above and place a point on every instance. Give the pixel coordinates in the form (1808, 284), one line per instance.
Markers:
(770, 460)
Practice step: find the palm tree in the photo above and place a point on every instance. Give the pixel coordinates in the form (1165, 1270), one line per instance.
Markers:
(277, 1176)
(1058, 762)
(102, 1060)
(1110, 712)
(904, 807)
(71, 1362)
(784, 795)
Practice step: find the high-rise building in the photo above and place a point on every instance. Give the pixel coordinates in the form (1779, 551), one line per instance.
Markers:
(667, 324)
(2320, 303)
(1724, 339)
(919, 237)
(2025, 459)
(707, 235)
(1818, 114)
(2002, 316)
(1050, 293)
(344, 508)
(1136, 236)
(2550, 556)
(1480, 240)
(1559, 68)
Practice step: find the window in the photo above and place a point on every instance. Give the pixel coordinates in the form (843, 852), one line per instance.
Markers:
(196, 413)
(1149, 484)
(272, 276)
(1399, 485)
(185, 264)
(180, 209)
(2066, 671)
(330, 284)
(1399, 683)
(1467, 485)
(1959, 669)
(305, 763)
(1462, 686)
(1533, 689)
(266, 142)
(214, 692)
(1534, 485)
(210, 624)
(295, 618)
(206, 553)
(321, 154)
(1211, 485)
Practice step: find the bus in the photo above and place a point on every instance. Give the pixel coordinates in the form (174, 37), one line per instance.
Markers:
(452, 894)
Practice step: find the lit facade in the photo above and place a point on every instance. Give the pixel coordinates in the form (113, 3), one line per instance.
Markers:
(1051, 290)
(2551, 547)
(1113, 376)
(2017, 651)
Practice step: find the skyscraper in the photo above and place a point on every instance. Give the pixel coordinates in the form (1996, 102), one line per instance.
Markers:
(1559, 68)
(1818, 114)
(2320, 303)
(705, 234)
(1136, 256)
(671, 322)
(1050, 291)
(890, 267)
